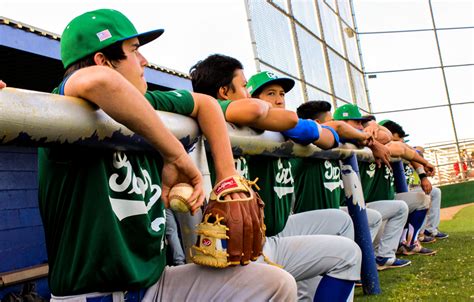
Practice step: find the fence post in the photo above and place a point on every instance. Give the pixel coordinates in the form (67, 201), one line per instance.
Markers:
(354, 198)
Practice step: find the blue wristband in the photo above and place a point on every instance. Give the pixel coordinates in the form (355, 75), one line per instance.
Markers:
(305, 132)
(334, 133)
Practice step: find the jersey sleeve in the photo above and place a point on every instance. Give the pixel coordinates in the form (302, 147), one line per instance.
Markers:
(224, 104)
(175, 101)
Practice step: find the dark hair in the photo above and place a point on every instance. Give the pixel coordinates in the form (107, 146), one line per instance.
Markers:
(313, 109)
(113, 53)
(394, 128)
(214, 72)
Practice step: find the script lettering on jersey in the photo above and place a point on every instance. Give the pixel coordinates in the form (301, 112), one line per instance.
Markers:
(332, 176)
(283, 180)
(371, 170)
(242, 167)
(132, 186)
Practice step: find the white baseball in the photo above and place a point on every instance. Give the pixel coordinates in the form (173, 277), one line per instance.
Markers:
(179, 193)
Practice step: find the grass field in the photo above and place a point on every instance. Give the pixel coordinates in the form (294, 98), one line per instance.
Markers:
(447, 276)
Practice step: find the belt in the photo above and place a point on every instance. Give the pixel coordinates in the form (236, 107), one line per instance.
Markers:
(129, 296)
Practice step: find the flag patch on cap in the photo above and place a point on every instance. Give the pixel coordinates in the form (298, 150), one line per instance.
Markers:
(345, 114)
(104, 35)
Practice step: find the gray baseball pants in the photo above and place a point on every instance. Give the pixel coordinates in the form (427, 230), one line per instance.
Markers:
(394, 214)
(433, 216)
(307, 248)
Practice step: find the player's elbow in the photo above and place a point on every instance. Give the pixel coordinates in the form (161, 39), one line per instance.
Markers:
(97, 78)
(383, 137)
(256, 111)
(291, 119)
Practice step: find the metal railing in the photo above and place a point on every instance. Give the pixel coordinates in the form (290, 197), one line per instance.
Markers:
(40, 119)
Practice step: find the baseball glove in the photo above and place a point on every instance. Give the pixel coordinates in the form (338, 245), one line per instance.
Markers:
(232, 231)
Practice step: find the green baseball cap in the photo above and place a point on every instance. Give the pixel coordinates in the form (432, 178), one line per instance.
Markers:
(95, 30)
(348, 112)
(257, 82)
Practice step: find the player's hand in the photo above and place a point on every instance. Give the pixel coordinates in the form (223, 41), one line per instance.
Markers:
(182, 169)
(426, 185)
(372, 129)
(367, 140)
(381, 154)
(429, 169)
(2, 84)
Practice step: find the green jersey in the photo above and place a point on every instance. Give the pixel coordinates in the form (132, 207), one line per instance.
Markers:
(318, 184)
(377, 183)
(276, 183)
(102, 213)
(276, 189)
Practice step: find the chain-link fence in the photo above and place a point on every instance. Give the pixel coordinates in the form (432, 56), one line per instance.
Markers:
(313, 42)
(417, 65)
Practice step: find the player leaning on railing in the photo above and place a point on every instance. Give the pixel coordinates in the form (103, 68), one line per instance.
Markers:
(422, 169)
(393, 213)
(103, 210)
(379, 186)
(222, 77)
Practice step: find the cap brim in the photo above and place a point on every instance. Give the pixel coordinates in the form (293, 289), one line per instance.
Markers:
(286, 83)
(362, 119)
(148, 36)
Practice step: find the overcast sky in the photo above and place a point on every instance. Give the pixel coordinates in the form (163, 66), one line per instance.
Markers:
(193, 29)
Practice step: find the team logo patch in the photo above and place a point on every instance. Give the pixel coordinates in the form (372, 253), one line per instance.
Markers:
(271, 75)
(226, 185)
(104, 35)
(206, 242)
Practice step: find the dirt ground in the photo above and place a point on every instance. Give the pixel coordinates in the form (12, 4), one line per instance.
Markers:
(448, 213)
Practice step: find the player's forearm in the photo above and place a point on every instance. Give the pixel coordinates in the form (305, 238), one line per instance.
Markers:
(346, 131)
(397, 149)
(124, 103)
(277, 119)
(384, 135)
(213, 125)
(326, 139)
(419, 159)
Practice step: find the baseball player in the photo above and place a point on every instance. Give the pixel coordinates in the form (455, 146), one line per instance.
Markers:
(423, 184)
(394, 213)
(291, 239)
(103, 210)
(384, 188)
(272, 89)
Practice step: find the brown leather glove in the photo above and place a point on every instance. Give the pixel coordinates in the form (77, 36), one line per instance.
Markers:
(232, 231)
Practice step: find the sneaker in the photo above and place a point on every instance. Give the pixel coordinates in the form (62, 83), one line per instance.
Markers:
(426, 239)
(437, 235)
(441, 235)
(417, 249)
(384, 263)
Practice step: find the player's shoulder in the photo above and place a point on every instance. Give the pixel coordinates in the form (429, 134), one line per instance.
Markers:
(177, 101)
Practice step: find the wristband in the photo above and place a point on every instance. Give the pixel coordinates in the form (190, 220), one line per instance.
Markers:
(420, 170)
(304, 133)
(422, 175)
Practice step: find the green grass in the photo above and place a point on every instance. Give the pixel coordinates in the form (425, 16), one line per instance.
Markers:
(447, 276)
